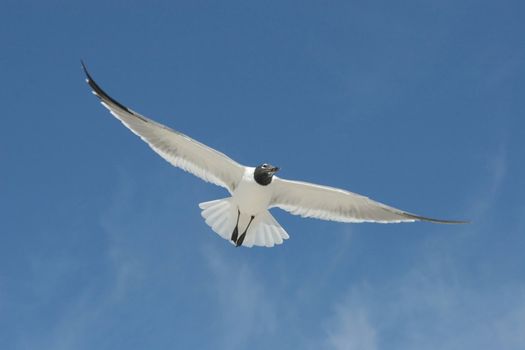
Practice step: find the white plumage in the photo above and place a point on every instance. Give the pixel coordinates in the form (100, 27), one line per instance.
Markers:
(247, 208)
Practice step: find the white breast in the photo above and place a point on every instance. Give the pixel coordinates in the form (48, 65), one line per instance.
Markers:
(250, 197)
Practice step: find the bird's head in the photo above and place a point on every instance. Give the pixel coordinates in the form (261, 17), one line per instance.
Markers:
(263, 173)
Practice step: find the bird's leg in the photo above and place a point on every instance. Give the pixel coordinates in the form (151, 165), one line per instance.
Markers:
(236, 229)
(241, 238)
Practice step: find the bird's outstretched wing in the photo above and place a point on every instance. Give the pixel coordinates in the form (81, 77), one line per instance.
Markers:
(328, 203)
(177, 148)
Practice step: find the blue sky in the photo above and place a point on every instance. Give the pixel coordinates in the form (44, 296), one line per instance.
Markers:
(417, 104)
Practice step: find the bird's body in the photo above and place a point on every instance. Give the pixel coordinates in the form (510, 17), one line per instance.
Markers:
(251, 197)
(246, 211)
(243, 218)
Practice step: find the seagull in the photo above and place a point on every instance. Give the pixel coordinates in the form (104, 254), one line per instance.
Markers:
(243, 218)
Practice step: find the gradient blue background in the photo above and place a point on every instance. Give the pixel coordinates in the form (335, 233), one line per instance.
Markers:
(419, 104)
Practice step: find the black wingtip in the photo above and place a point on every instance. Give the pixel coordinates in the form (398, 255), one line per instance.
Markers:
(84, 68)
(450, 222)
(90, 81)
(437, 221)
(99, 92)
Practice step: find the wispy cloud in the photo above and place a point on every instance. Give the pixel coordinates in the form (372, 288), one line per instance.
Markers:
(445, 301)
(428, 310)
(97, 288)
(350, 328)
(243, 303)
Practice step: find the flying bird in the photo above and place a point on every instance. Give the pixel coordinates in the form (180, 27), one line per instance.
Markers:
(244, 218)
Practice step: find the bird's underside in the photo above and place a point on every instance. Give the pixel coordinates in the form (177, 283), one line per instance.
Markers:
(243, 218)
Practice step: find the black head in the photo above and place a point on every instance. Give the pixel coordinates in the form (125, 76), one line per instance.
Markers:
(263, 174)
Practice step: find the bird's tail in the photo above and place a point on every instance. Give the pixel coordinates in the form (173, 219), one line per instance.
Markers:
(221, 216)
(265, 231)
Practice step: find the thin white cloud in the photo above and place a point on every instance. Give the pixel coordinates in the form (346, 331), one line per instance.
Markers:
(429, 309)
(247, 312)
(443, 301)
(350, 328)
(92, 305)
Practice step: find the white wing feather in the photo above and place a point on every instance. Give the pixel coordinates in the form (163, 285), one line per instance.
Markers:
(175, 147)
(328, 203)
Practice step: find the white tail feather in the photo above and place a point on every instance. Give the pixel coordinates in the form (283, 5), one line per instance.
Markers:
(221, 216)
(265, 231)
